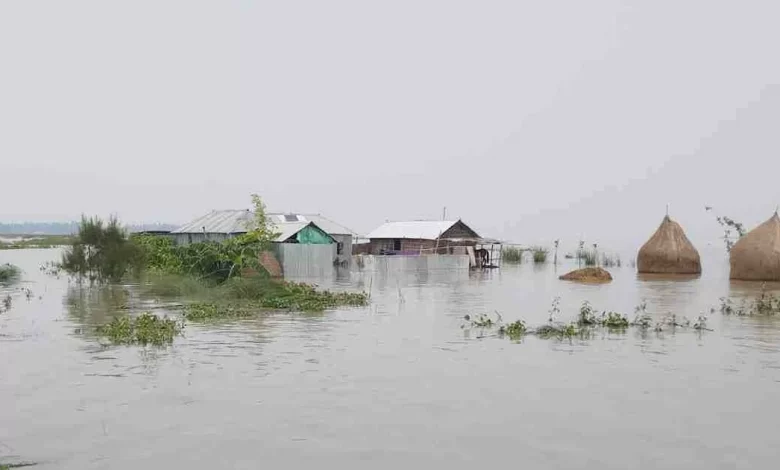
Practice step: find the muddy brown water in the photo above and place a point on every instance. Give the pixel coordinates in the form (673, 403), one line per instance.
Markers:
(397, 383)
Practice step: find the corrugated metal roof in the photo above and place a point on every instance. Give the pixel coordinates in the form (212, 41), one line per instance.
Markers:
(288, 229)
(329, 226)
(236, 221)
(416, 229)
(227, 221)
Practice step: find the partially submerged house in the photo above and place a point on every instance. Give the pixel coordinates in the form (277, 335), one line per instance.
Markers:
(344, 237)
(668, 251)
(421, 236)
(756, 256)
(301, 247)
(433, 237)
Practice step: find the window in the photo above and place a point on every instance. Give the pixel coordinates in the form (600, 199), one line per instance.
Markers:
(340, 248)
(397, 244)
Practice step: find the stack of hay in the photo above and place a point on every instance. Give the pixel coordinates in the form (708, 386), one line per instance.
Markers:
(668, 252)
(756, 256)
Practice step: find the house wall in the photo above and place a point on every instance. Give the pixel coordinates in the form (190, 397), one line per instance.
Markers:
(406, 264)
(300, 261)
(410, 246)
(187, 238)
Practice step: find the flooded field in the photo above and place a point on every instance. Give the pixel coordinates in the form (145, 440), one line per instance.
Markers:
(396, 383)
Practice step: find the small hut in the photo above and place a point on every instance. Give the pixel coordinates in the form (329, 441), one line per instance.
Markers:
(668, 252)
(756, 256)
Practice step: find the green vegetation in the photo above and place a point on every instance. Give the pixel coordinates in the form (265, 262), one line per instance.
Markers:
(9, 273)
(145, 329)
(586, 323)
(612, 320)
(765, 304)
(539, 254)
(100, 252)
(512, 255)
(729, 227)
(514, 330)
(588, 257)
(20, 242)
(610, 261)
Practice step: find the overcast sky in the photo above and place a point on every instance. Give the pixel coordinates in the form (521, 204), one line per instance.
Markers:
(531, 120)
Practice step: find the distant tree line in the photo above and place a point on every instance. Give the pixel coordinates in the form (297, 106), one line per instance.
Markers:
(66, 228)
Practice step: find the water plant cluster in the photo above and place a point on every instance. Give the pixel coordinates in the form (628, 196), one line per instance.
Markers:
(585, 323)
(765, 304)
(512, 255)
(144, 329)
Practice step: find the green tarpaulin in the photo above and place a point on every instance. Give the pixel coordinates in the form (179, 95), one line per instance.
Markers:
(310, 235)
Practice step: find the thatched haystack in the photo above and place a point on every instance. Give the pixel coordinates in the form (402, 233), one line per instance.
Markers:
(756, 256)
(668, 252)
(588, 275)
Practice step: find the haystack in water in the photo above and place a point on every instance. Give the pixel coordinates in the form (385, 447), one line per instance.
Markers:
(756, 256)
(668, 252)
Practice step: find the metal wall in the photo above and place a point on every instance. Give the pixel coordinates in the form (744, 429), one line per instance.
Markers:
(187, 238)
(399, 263)
(305, 261)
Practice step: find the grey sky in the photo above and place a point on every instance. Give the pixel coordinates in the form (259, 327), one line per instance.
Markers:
(531, 120)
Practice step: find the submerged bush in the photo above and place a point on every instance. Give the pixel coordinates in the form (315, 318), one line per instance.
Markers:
(100, 252)
(9, 273)
(144, 329)
(540, 254)
(512, 254)
(514, 330)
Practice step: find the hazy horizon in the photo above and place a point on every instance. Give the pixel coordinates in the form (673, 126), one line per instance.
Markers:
(530, 121)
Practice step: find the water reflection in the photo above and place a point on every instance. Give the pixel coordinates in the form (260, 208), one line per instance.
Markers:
(350, 384)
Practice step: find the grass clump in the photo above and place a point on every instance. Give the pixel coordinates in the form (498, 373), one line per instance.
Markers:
(610, 261)
(512, 254)
(588, 257)
(9, 273)
(145, 329)
(539, 254)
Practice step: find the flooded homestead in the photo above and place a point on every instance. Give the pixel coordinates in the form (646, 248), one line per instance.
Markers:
(403, 381)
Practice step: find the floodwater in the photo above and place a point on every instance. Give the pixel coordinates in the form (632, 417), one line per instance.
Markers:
(395, 384)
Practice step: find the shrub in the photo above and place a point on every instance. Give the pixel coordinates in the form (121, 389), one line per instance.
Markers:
(512, 254)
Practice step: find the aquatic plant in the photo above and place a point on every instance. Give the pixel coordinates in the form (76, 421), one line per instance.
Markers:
(614, 320)
(144, 329)
(765, 304)
(7, 302)
(567, 330)
(514, 330)
(642, 318)
(589, 258)
(587, 316)
(555, 309)
(539, 254)
(9, 273)
(729, 226)
(610, 261)
(512, 254)
(202, 311)
(480, 321)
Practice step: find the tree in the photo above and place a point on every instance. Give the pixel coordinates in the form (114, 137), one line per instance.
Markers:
(101, 252)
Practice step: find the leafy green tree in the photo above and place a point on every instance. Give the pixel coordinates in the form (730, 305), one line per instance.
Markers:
(101, 252)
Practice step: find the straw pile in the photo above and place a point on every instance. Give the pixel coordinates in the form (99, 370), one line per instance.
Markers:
(588, 275)
(668, 252)
(756, 256)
